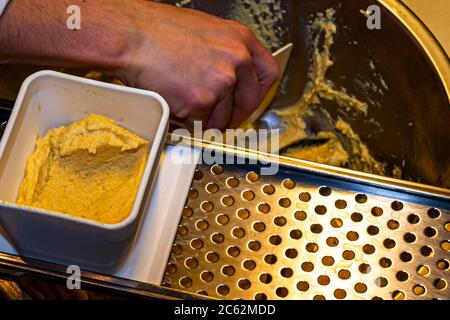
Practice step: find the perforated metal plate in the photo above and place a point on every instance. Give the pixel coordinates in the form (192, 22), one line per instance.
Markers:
(248, 236)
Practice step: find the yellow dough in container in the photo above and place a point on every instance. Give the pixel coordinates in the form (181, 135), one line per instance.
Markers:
(90, 169)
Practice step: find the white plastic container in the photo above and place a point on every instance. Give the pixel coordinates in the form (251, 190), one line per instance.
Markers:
(47, 100)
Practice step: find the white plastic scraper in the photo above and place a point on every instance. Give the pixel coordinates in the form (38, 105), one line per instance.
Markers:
(282, 56)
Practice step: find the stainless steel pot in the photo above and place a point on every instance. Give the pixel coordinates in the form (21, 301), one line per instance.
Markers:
(414, 113)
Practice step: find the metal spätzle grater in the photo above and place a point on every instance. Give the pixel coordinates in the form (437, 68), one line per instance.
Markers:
(310, 232)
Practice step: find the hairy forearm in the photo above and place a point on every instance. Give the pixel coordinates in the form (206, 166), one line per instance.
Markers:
(35, 32)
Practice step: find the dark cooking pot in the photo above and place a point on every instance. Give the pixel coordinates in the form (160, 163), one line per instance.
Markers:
(414, 112)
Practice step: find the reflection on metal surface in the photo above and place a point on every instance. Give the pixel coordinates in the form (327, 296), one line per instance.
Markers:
(424, 36)
(14, 267)
(247, 236)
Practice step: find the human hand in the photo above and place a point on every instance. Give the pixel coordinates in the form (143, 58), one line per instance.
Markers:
(207, 68)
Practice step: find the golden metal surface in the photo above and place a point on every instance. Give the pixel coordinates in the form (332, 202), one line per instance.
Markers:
(423, 35)
(246, 236)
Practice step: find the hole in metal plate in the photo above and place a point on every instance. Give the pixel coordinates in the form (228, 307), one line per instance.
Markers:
(243, 235)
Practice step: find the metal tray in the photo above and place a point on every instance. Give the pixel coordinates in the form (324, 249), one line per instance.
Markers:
(310, 232)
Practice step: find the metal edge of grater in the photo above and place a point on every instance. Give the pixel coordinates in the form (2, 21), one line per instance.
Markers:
(310, 232)
(340, 182)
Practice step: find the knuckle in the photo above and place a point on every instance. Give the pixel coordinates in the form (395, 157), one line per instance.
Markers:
(226, 80)
(242, 57)
(201, 100)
